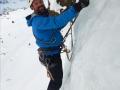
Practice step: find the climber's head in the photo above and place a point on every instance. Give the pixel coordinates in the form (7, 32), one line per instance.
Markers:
(37, 5)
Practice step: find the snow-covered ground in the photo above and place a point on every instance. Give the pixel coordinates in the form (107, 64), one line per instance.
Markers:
(95, 63)
(20, 67)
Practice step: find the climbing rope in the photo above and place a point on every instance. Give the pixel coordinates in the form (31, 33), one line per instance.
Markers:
(64, 48)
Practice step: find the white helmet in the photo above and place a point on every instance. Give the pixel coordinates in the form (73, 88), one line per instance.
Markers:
(30, 2)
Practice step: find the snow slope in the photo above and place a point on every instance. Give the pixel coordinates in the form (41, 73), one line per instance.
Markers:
(20, 67)
(96, 55)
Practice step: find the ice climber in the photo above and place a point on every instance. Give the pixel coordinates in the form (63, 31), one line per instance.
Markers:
(46, 30)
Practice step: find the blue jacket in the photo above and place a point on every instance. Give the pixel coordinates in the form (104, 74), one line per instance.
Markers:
(46, 29)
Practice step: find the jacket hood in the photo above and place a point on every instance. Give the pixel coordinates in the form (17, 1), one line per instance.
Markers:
(29, 19)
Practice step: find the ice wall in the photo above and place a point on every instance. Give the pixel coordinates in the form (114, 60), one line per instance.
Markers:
(96, 55)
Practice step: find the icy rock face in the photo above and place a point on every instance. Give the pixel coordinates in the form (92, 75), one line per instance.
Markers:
(96, 55)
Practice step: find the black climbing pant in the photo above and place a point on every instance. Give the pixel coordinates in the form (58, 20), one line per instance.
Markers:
(54, 65)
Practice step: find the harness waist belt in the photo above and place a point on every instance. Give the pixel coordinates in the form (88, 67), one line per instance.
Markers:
(49, 48)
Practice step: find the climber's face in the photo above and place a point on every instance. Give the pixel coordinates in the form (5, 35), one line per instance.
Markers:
(38, 6)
